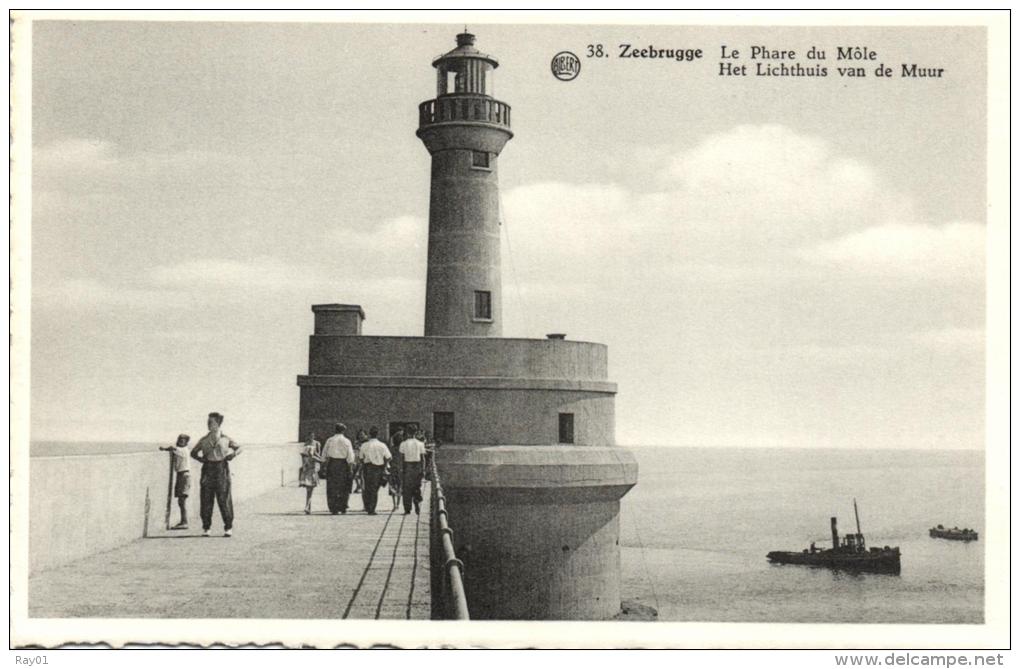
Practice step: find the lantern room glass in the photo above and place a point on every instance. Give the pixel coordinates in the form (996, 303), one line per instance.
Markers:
(464, 76)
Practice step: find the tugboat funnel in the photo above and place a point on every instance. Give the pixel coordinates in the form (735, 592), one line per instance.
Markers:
(835, 533)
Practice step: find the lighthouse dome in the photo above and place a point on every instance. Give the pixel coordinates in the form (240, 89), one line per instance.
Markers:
(465, 49)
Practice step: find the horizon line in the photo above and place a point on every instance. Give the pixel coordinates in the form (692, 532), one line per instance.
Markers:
(981, 449)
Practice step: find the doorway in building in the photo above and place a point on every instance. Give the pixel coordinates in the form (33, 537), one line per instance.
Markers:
(408, 427)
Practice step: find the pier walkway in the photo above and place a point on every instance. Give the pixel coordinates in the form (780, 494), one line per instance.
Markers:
(280, 563)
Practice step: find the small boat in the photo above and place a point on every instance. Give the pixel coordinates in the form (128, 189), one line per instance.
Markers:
(850, 555)
(955, 534)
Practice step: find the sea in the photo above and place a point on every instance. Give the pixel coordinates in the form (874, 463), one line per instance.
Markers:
(695, 530)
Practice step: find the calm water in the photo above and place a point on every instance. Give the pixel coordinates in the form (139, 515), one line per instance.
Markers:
(696, 528)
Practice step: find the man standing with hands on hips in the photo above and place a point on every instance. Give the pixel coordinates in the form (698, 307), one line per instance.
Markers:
(214, 451)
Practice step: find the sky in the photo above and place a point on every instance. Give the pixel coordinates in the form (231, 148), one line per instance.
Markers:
(771, 261)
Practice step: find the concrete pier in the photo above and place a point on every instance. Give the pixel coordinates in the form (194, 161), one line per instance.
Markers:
(280, 563)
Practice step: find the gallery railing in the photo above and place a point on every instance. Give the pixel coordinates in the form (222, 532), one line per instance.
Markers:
(464, 107)
(448, 599)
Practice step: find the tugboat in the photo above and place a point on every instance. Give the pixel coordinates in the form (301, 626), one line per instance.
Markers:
(955, 534)
(851, 555)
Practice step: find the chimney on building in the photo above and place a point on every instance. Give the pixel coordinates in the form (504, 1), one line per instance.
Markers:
(338, 319)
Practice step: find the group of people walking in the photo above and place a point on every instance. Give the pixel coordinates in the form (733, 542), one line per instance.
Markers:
(365, 466)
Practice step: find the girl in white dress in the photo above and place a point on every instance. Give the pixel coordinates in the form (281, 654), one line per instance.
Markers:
(310, 457)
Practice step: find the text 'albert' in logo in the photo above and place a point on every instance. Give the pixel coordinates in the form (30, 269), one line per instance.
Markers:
(565, 66)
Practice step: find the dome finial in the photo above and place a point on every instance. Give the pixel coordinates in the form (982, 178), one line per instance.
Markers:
(465, 38)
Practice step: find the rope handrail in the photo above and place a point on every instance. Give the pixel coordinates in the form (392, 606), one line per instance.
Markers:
(448, 597)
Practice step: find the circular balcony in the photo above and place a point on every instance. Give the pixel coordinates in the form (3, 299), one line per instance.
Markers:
(464, 109)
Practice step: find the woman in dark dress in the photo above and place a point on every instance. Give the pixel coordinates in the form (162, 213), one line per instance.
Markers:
(395, 465)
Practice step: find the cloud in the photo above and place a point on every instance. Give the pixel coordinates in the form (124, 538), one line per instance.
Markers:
(401, 231)
(262, 274)
(87, 167)
(834, 353)
(186, 284)
(753, 236)
(74, 155)
(267, 277)
(752, 198)
(942, 253)
(770, 175)
(394, 247)
(594, 225)
(951, 340)
(262, 284)
(707, 230)
(95, 295)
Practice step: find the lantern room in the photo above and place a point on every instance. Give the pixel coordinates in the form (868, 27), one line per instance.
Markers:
(465, 70)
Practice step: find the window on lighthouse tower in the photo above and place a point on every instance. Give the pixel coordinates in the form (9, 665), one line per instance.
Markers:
(566, 428)
(480, 159)
(483, 305)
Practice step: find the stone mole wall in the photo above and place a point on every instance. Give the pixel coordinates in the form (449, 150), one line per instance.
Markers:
(80, 505)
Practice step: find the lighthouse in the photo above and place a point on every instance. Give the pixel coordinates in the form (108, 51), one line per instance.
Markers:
(529, 464)
(464, 129)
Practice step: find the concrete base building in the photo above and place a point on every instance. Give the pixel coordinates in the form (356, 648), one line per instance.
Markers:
(532, 475)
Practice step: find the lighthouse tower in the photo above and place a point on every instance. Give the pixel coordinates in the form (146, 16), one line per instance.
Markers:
(532, 475)
(464, 128)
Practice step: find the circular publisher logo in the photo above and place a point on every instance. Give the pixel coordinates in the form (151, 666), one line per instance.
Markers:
(565, 66)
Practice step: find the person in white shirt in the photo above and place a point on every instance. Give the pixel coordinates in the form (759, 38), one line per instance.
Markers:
(338, 454)
(215, 450)
(374, 456)
(412, 452)
(182, 477)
